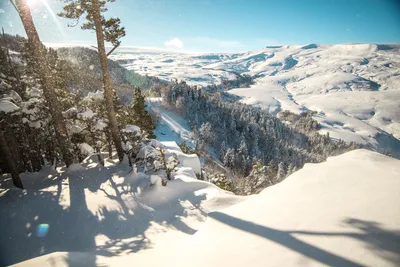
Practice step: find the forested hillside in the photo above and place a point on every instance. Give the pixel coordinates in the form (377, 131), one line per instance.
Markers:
(260, 150)
(80, 67)
(257, 147)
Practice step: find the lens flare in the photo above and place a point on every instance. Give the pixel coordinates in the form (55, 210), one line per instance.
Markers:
(42, 229)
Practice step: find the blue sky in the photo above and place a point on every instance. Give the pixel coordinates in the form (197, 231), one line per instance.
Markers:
(226, 25)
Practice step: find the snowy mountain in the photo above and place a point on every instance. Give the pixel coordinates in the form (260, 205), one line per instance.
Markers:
(337, 213)
(354, 87)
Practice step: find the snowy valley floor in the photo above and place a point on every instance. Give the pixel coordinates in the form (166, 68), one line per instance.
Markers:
(343, 212)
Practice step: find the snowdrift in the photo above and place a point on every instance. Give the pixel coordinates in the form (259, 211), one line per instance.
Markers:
(186, 160)
(343, 212)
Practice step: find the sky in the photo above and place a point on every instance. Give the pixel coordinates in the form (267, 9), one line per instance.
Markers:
(224, 25)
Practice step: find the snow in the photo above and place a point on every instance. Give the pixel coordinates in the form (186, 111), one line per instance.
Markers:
(75, 167)
(35, 92)
(338, 213)
(98, 95)
(87, 114)
(13, 95)
(173, 127)
(75, 129)
(146, 152)
(8, 106)
(298, 78)
(155, 180)
(100, 125)
(186, 160)
(132, 129)
(70, 112)
(100, 211)
(86, 149)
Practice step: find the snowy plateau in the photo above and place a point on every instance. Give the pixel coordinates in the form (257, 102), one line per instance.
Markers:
(355, 88)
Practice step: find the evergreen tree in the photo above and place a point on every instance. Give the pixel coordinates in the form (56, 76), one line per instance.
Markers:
(140, 115)
(290, 169)
(9, 160)
(107, 30)
(46, 77)
(281, 172)
(258, 178)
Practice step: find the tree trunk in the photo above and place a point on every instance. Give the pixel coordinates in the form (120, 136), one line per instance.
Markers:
(108, 92)
(47, 81)
(9, 161)
(13, 146)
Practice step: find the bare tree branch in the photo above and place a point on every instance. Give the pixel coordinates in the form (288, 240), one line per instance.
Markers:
(112, 50)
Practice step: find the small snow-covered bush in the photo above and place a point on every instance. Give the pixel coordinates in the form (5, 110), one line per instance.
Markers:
(170, 162)
(220, 180)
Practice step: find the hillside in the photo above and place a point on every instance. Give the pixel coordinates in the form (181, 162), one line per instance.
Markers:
(353, 87)
(337, 213)
(82, 69)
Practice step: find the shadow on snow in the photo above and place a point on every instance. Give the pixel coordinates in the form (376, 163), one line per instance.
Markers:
(74, 228)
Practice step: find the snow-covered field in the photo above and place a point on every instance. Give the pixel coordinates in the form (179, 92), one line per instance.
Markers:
(342, 212)
(354, 87)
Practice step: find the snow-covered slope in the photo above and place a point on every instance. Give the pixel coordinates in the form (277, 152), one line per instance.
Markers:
(354, 87)
(102, 211)
(343, 212)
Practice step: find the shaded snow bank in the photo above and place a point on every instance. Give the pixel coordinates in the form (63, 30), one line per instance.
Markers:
(94, 211)
(343, 212)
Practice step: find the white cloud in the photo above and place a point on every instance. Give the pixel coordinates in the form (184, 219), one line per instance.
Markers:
(2, 11)
(174, 43)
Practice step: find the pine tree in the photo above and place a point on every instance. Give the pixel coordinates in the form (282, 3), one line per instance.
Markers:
(290, 169)
(257, 179)
(5, 151)
(45, 73)
(107, 30)
(140, 115)
(281, 172)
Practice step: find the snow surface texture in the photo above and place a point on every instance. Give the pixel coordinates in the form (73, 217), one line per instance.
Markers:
(105, 211)
(342, 212)
(354, 87)
(7, 106)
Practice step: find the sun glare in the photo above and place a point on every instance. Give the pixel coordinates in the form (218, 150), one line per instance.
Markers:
(32, 3)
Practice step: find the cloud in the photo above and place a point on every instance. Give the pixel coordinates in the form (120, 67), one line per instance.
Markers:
(2, 11)
(174, 43)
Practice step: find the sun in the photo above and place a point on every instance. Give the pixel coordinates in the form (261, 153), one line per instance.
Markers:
(32, 3)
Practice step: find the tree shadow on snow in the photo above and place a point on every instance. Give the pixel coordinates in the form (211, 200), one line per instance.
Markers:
(74, 228)
(384, 243)
(133, 221)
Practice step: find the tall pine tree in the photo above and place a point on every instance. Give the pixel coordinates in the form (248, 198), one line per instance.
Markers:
(45, 72)
(107, 30)
(140, 116)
